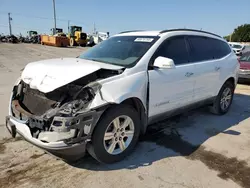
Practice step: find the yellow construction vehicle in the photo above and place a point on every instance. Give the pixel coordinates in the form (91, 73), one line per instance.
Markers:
(76, 36)
(58, 32)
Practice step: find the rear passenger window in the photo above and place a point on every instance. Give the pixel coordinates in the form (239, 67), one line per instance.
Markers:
(201, 49)
(204, 48)
(175, 49)
(224, 48)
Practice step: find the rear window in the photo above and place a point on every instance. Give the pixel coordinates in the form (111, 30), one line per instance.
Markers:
(204, 48)
(246, 49)
(245, 57)
(237, 46)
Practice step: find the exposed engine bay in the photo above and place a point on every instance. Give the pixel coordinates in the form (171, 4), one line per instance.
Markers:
(62, 114)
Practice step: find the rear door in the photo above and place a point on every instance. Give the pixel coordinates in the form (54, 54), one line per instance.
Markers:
(170, 89)
(207, 70)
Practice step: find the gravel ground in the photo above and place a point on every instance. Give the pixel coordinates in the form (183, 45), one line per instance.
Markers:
(194, 150)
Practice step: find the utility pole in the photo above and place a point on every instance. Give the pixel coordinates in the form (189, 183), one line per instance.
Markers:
(54, 7)
(10, 23)
(68, 25)
(94, 29)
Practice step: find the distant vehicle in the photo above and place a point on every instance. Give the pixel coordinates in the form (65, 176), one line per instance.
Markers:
(244, 72)
(58, 32)
(32, 33)
(237, 48)
(3, 38)
(104, 100)
(12, 39)
(97, 37)
(246, 49)
(32, 37)
(76, 36)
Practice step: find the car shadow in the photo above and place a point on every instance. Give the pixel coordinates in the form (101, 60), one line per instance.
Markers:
(178, 136)
(244, 81)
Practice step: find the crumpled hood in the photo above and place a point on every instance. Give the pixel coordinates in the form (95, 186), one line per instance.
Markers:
(48, 75)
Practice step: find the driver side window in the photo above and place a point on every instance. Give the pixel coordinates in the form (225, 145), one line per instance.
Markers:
(176, 49)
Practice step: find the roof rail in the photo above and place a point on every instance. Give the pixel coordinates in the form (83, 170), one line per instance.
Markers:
(130, 31)
(165, 31)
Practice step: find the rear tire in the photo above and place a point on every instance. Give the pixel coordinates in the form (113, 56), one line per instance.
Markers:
(101, 146)
(224, 99)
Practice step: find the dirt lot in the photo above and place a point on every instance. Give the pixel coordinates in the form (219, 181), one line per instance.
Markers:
(194, 150)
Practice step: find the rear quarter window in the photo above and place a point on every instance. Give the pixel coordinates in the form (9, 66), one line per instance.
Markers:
(205, 48)
(221, 48)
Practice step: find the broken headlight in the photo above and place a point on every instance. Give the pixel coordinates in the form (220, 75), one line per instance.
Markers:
(72, 107)
(80, 100)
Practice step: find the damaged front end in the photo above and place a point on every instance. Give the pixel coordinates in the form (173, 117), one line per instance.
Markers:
(58, 115)
(57, 121)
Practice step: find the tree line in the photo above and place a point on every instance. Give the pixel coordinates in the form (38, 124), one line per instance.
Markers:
(240, 34)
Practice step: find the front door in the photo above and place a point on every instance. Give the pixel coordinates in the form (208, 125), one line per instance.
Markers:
(170, 89)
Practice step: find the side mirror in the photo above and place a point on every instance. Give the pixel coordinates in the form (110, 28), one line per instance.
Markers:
(164, 63)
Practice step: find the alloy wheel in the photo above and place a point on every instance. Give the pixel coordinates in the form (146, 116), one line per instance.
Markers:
(118, 135)
(226, 98)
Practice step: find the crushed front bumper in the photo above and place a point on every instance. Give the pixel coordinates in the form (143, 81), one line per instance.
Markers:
(59, 149)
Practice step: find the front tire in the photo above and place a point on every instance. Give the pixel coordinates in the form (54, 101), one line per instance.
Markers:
(115, 135)
(224, 99)
(72, 42)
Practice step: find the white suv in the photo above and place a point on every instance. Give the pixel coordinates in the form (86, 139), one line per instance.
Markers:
(237, 47)
(105, 98)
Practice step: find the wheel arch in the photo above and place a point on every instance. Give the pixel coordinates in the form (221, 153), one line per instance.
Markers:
(231, 80)
(137, 104)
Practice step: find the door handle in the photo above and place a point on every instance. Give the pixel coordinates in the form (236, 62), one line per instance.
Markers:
(217, 68)
(188, 74)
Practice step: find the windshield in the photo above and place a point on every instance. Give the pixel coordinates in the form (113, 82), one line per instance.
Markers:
(245, 57)
(237, 46)
(121, 50)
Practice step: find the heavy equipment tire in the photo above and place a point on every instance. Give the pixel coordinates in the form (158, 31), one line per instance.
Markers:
(223, 100)
(72, 42)
(112, 140)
